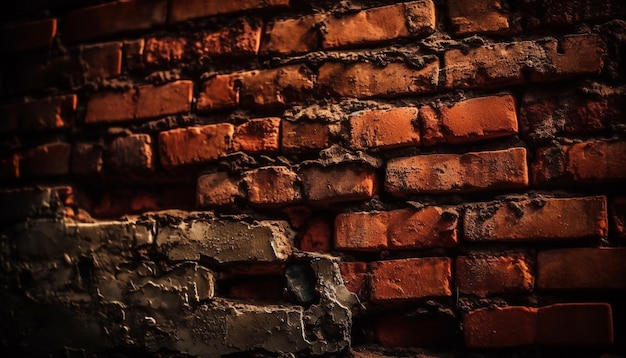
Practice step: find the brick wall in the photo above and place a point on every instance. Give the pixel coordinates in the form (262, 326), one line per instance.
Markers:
(358, 178)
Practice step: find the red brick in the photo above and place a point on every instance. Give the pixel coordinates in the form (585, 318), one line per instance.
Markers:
(163, 51)
(47, 160)
(339, 183)
(500, 328)
(574, 55)
(618, 217)
(239, 39)
(275, 87)
(380, 24)
(537, 219)
(484, 275)
(583, 163)
(298, 215)
(575, 324)
(10, 167)
(27, 36)
(363, 80)
(131, 155)
(112, 18)
(297, 137)
(414, 331)
(217, 189)
(316, 236)
(469, 172)
(87, 159)
(257, 288)
(292, 36)
(259, 135)
(564, 13)
(385, 129)
(469, 121)
(102, 60)
(218, 92)
(181, 10)
(139, 103)
(354, 276)
(482, 16)
(582, 269)
(127, 200)
(428, 227)
(409, 279)
(195, 145)
(39, 115)
(272, 186)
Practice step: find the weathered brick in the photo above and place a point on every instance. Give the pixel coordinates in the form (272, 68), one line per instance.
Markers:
(354, 276)
(574, 55)
(87, 159)
(482, 16)
(163, 51)
(393, 330)
(537, 219)
(469, 121)
(257, 288)
(413, 19)
(338, 183)
(193, 145)
(500, 327)
(239, 39)
(469, 172)
(218, 92)
(47, 160)
(582, 269)
(182, 10)
(131, 155)
(10, 166)
(139, 103)
(292, 36)
(217, 189)
(363, 80)
(297, 137)
(25, 36)
(409, 279)
(316, 236)
(575, 324)
(39, 115)
(563, 13)
(112, 18)
(484, 275)
(428, 227)
(259, 135)
(390, 128)
(618, 217)
(275, 87)
(102, 60)
(583, 163)
(272, 186)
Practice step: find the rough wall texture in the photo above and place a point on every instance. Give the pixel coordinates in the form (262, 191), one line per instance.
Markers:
(268, 178)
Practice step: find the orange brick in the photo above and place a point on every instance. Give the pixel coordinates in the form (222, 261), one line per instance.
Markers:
(181, 10)
(297, 137)
(112, 18)
(394, 330)
(469, 121)
(163, 51)
(354, 276)
(428, 227)
(574, 55)
(102, 60)
(272, 186)
(47, 160)
(339, 183)
(10, 166)
(442, 173)
(390, 128)
(316, 236)
(259, 135)
(484, 275)
(500, 327)
(618, 217)
(575, 324)
(581, 269)
(195, 145)
(218, 92)
(39, 115)
(87, 159)
(240, 38)
(380, 24)
(537, 219)
(585, 163)
(292, 36)
(217, 189)
(482, 16)
(363, 80)
(142, 102)
(409, 279)
(131, 155)
(275, 87)
(30, 35)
